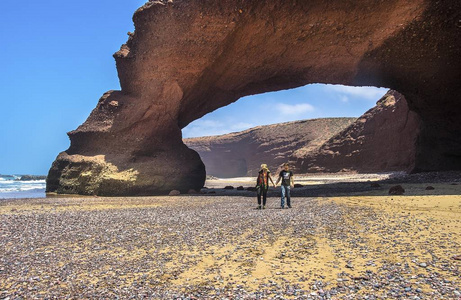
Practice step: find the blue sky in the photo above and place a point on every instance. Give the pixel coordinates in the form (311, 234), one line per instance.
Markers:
(57, 62)
(308, 102)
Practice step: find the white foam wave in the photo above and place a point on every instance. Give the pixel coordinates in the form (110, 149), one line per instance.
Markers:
(19, 186)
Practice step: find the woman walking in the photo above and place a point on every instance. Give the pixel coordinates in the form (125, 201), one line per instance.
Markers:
(262, 185)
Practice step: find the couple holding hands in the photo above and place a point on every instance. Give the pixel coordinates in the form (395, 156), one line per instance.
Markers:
(262, 185)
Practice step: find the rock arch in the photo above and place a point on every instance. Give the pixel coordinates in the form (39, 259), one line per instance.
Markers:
(187, 58)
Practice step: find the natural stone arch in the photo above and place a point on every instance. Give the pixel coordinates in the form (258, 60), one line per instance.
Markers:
(187, 58)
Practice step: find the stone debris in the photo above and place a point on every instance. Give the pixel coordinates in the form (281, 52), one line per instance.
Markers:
(174, 193)
(221, 247)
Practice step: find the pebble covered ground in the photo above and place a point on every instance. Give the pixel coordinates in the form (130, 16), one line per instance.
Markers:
(221, 247)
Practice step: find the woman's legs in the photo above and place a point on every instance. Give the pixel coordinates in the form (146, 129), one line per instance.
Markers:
(259, 197)
(264, 197)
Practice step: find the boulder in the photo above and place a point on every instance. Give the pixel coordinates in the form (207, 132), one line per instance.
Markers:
(174, 193)
(228, 187)
(396, 190)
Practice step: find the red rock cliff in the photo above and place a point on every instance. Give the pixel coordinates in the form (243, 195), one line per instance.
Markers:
(382, 139)
(188, 58)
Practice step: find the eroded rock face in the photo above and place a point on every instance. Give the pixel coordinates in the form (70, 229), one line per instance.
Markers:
(242, 153)
(187, 58)
(383, 139)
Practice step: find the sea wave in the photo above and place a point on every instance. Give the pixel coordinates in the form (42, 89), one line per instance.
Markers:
(20, 189)
(18, 186)
(9, 177)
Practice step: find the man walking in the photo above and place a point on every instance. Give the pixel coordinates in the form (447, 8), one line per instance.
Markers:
(287, 183)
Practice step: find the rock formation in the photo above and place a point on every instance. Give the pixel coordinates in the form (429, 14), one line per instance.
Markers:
(382, 139)
(188, 58)
(241, 153)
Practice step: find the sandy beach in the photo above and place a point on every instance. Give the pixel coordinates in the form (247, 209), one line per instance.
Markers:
(365, 245)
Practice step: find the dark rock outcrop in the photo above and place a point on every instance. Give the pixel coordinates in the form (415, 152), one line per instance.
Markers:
(188, 58)
(31, 177)
(242, 153)
(382, 139)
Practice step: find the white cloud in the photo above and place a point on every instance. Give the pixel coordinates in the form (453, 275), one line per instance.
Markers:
(344, 99)
(368, 93)
(294, 109)
(213, 127)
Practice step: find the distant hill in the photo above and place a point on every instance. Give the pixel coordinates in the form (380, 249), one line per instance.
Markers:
(241, 153)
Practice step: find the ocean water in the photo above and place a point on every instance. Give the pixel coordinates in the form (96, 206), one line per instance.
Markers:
(10, 187)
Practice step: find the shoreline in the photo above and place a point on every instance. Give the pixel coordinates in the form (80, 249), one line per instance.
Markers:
(313, 184)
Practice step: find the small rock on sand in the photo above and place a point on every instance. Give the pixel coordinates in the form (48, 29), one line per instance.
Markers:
(396, 190)
(429, 188)
(174, 193)
(240, 188)
(228, 187)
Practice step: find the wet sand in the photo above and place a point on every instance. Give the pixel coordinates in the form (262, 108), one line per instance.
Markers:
(366, 244)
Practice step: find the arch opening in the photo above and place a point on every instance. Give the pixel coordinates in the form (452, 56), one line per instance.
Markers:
(318, 128)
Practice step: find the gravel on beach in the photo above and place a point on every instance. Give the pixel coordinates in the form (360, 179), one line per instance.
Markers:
(221, 247)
